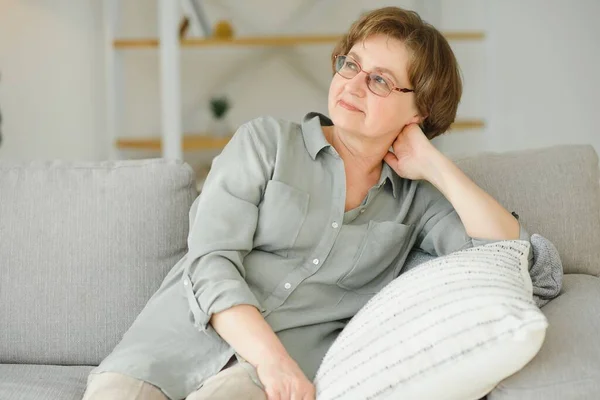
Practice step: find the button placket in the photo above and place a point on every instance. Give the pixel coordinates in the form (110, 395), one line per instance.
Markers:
(312, 263)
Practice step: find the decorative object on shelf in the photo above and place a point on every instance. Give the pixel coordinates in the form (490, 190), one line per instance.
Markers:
(223, 30)
(194, 20)
(183, 27)
(219, 106)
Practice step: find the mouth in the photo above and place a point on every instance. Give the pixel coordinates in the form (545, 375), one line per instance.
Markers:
(348, 106)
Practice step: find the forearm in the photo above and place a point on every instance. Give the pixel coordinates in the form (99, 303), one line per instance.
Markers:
(245, 329)
(482, 216)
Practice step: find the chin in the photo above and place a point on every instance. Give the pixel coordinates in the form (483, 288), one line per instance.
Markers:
(347, 120)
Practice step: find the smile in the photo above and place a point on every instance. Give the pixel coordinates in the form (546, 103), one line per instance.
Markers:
(347, 106)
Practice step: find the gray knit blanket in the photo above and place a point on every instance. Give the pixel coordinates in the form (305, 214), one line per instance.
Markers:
(546, 270)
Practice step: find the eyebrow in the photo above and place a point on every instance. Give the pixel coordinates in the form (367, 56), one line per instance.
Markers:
(385, 70)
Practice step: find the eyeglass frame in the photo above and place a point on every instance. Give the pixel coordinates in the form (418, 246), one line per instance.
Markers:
(368, 77)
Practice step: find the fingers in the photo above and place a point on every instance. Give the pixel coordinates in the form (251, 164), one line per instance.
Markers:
(282, 393)
(390, 158)
(301, 395)
(310, 394)
(285, 384)
(296, 391)
(306, 393)
(278, 393)
(273, 394)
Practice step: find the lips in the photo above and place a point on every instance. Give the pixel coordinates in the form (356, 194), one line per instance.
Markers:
(349, 106)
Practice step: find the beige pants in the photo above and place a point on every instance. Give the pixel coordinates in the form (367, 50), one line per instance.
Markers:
(237, 381)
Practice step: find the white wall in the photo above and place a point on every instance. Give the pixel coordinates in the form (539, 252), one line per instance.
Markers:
(50, 79)
(541, 73)
(546, 78)
(534, 79)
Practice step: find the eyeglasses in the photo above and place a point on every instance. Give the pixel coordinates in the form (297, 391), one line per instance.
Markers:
(348, 68)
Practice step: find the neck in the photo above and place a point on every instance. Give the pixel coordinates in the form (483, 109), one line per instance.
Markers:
(365, 155)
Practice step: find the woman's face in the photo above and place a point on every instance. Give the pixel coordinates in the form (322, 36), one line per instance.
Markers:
(353, 107)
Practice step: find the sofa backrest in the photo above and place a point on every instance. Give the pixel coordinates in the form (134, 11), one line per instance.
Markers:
(83, 246)
(556, 192)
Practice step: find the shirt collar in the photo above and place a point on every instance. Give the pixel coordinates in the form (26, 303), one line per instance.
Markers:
(315, 141)
(389, 175)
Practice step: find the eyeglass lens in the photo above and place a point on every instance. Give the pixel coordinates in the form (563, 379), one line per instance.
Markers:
(348, 68)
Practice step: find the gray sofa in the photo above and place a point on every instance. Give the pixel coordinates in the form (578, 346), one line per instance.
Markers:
(84, 245)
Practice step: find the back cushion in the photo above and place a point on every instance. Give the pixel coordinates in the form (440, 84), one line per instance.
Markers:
(555, 191)
(83, 246)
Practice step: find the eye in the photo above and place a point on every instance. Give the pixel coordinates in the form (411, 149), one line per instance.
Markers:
(351, 65)
(380, 80)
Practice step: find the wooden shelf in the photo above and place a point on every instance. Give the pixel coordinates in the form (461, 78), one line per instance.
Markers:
(467, 124)
(190, 142)
(240, 41)
(194, 142)
(269, 40)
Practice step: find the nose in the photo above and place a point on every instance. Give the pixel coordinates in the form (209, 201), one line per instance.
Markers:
(357, 85)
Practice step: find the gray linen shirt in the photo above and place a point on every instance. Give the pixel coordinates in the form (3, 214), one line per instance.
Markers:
(269, 229)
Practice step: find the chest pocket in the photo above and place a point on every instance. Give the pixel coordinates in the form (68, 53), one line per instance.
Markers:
(281, 214)
(373, 265)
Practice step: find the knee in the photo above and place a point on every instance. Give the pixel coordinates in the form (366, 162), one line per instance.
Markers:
(116, 386)
(237, 382)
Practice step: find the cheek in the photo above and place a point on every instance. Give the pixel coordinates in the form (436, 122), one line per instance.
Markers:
(382, 109)
(388, 115)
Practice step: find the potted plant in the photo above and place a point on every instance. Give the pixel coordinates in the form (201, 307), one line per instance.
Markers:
(219, 106)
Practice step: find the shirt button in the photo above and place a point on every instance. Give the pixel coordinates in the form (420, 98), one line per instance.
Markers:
(316, 261)
(287, 285)
(186, 282)
(362, 211)
(334, 225)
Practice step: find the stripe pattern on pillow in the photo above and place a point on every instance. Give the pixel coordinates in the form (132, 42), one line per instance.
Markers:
(432, 319)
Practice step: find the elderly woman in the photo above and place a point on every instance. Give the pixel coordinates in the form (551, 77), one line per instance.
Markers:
(299, 225)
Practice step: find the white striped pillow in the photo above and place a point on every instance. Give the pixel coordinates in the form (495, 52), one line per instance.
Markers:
(452, 328)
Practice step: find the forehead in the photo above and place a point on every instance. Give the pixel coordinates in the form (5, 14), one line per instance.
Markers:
(381, 51)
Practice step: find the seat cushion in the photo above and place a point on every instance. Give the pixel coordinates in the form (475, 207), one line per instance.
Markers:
(83, 246)
(568, 364)
(42, 382)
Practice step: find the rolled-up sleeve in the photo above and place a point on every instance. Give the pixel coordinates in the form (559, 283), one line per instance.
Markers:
(223, 221)
(442, 230)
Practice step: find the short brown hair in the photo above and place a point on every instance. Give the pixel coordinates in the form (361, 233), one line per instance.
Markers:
(432, 70)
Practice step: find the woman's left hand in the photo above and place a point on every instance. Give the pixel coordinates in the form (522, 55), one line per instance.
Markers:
(413, 154)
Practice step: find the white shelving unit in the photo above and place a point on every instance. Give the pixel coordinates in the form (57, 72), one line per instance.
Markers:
(170, 77)
(172, 142)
